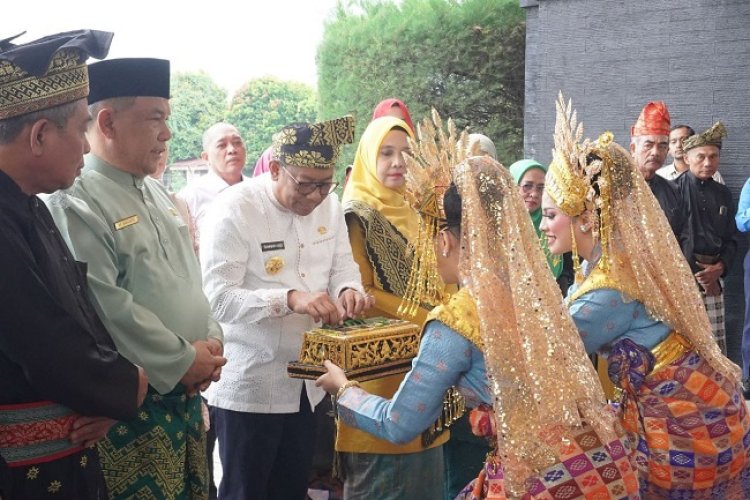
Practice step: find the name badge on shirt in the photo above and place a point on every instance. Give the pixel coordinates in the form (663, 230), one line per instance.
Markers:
(127, 221)
(270, 246)
(723, 210)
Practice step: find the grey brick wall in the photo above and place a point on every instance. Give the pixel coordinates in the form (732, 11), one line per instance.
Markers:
(613, 56)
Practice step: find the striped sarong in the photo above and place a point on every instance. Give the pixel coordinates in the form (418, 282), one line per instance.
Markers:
(161, 454)
(689, 430)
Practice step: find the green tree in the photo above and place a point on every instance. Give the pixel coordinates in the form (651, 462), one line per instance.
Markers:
(464, 58)
(197, 103)
(262, 106)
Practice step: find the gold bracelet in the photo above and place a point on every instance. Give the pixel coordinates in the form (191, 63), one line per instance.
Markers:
(351, 383)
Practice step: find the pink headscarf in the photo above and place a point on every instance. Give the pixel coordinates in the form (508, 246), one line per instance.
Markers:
(385, 106)
(263, 164)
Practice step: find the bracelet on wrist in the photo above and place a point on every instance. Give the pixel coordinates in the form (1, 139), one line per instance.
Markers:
(351, 383)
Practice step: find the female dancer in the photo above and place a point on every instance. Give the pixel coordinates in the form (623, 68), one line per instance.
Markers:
(637, 303)
(503, 339)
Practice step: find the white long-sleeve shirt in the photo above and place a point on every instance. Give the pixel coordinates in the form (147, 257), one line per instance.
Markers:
(244, 229)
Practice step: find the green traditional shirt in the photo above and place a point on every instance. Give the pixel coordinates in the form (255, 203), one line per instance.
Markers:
(144, 277)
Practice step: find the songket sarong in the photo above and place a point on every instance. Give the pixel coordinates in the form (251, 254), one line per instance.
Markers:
(40, 459)
(588, 470)
(161, 454)
(688, 426)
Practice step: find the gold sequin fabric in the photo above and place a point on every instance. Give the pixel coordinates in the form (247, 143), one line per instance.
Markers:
(543, 385)
(66, 80)
(640, 255)
(460, 314)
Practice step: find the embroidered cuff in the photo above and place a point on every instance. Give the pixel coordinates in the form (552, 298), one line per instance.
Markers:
(277, 305)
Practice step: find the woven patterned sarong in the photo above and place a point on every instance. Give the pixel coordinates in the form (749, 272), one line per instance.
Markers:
(689, 431)
(588, 470)
(161, 454)
(715, 311)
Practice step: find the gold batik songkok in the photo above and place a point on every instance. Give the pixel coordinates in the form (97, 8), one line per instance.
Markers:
(543, 384)
(313, 145)
(47, 72)
(601, 177)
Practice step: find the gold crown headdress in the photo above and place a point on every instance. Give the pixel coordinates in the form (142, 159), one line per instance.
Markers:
(428, 176)
(579, 178)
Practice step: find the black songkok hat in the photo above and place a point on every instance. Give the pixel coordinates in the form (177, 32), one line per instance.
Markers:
(49, 71)
(313, 145)
(129, 77)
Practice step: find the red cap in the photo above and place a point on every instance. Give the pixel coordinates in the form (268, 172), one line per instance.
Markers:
(654, 120)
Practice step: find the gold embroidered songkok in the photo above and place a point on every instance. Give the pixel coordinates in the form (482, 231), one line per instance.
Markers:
(313, 145)
(47, 72)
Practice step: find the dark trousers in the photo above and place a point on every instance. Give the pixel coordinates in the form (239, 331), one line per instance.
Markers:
(210, 445)
(265, 456)
(746, 328)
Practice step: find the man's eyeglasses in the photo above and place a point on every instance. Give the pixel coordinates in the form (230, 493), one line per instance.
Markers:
(529, 187)
(308, 188)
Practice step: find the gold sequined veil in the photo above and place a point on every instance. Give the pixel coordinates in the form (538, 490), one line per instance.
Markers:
(542, 382)
(640, 255)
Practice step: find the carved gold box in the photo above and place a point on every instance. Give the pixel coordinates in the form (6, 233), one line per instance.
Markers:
(364, 348)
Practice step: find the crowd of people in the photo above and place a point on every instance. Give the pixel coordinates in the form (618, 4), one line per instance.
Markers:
(574, 309)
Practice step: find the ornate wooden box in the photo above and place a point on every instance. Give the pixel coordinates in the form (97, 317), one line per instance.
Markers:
(365, 348)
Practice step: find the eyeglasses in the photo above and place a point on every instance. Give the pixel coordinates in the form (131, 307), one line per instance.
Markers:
(308, 188)
(529, 187)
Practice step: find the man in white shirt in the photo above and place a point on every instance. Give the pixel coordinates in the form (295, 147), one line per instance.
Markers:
(673, 170)
(224, 150)
(276, 262)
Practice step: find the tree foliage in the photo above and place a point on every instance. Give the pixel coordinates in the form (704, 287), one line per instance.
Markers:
(464, 58)
(264, 105)
(197, 102)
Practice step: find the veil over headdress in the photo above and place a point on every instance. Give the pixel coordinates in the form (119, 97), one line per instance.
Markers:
(544, 387)
(640, 255)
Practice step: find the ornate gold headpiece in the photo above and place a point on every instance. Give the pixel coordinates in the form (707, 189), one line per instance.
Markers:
(428, 176)
(579, 178)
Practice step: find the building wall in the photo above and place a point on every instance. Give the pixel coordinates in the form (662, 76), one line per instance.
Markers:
(613, 56)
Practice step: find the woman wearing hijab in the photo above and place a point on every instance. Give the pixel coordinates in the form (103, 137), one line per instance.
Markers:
(529, 176)
(635, 301)
(382, 229)
(395, 108)
(555, 440)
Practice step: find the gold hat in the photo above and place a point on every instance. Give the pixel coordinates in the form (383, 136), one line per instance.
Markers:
(711, 137)
(47, 72)
(313, 145)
